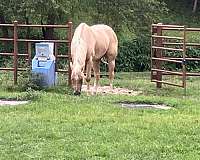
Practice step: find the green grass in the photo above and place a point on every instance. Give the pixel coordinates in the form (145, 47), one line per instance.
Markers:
(59, 126)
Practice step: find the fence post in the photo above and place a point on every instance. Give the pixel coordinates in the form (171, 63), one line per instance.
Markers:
(29, 53)
(153, 51)
(15, 52)
(159, 55)
(69, 38)
(56, 55)
(184, 60)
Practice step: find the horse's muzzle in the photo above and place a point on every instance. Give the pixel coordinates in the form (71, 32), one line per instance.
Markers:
(77, 93)
(77, 87)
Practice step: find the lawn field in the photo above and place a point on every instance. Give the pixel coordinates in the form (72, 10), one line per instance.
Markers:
(56, 125)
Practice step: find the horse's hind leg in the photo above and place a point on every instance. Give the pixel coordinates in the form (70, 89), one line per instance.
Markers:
(96, 68)
(111, 68)
(111, 56)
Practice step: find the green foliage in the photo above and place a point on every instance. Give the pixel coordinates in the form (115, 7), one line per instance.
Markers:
(191, 65)
(6, 82)
(134, 55)
(28, 80)
(29, 94)
(114, 13)
(130, 20)
(25, 86)
(125, 17)
(180, 12)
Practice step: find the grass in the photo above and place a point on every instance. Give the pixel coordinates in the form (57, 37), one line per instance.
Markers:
(59, 126)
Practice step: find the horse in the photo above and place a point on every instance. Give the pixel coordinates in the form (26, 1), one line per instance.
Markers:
(89, 45)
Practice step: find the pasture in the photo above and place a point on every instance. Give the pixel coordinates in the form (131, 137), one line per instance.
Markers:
(58, 125)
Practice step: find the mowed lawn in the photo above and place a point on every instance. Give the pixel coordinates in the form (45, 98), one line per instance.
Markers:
(60, 126)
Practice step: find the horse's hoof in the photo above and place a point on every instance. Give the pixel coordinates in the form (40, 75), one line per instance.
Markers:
(89, 93)
(94, 93)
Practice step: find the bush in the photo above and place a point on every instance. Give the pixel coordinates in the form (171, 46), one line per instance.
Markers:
(28, 80)
(134, 55)
(190, 65)
(193, 65)
(29, 94)
(6, 81)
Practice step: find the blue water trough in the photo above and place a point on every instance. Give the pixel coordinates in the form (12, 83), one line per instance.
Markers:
(43, 63)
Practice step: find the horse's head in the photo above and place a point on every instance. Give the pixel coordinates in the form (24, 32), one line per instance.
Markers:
(77, 79)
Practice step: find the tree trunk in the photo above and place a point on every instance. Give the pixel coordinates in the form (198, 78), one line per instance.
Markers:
(43, 30)
(48, 33)
(5, 32)
(4, 29)
(28, 31)
(195, 6)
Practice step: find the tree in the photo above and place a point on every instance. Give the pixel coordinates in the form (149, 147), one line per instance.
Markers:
(137, 15)
(195, 6)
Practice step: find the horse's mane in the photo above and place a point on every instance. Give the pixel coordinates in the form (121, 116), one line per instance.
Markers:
(78, 43)
(79, 32)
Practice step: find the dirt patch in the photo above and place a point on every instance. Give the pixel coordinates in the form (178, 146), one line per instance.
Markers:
(11, 103)
(115, 90)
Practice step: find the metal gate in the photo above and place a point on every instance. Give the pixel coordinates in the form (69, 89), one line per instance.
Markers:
(161, 43)
(15, 27)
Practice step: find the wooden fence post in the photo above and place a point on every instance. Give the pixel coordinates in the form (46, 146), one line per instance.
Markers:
(56, 55)
(153, 51)
(184, 60)
(69, 38)
(29, 54)
(159, 55)
(15, 52)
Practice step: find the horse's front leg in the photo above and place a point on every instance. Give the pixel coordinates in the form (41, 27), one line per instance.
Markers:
(88, 75)
(96, 68)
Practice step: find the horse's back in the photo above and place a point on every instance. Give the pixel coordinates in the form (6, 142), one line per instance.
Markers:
(101, 30)
(82, 32)
(106, 40)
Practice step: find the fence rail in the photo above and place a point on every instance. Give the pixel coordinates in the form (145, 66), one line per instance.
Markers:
(159, 44)
(15, 54)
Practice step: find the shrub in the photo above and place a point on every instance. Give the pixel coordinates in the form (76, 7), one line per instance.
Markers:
(134, 55)
(190, 65)
(29, 80)
(29, 94)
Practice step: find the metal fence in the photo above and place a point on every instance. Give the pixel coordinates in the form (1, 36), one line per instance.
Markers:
(15, 27)
(161, 43)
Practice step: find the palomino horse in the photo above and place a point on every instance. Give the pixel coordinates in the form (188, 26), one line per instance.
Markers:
(89, 45)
